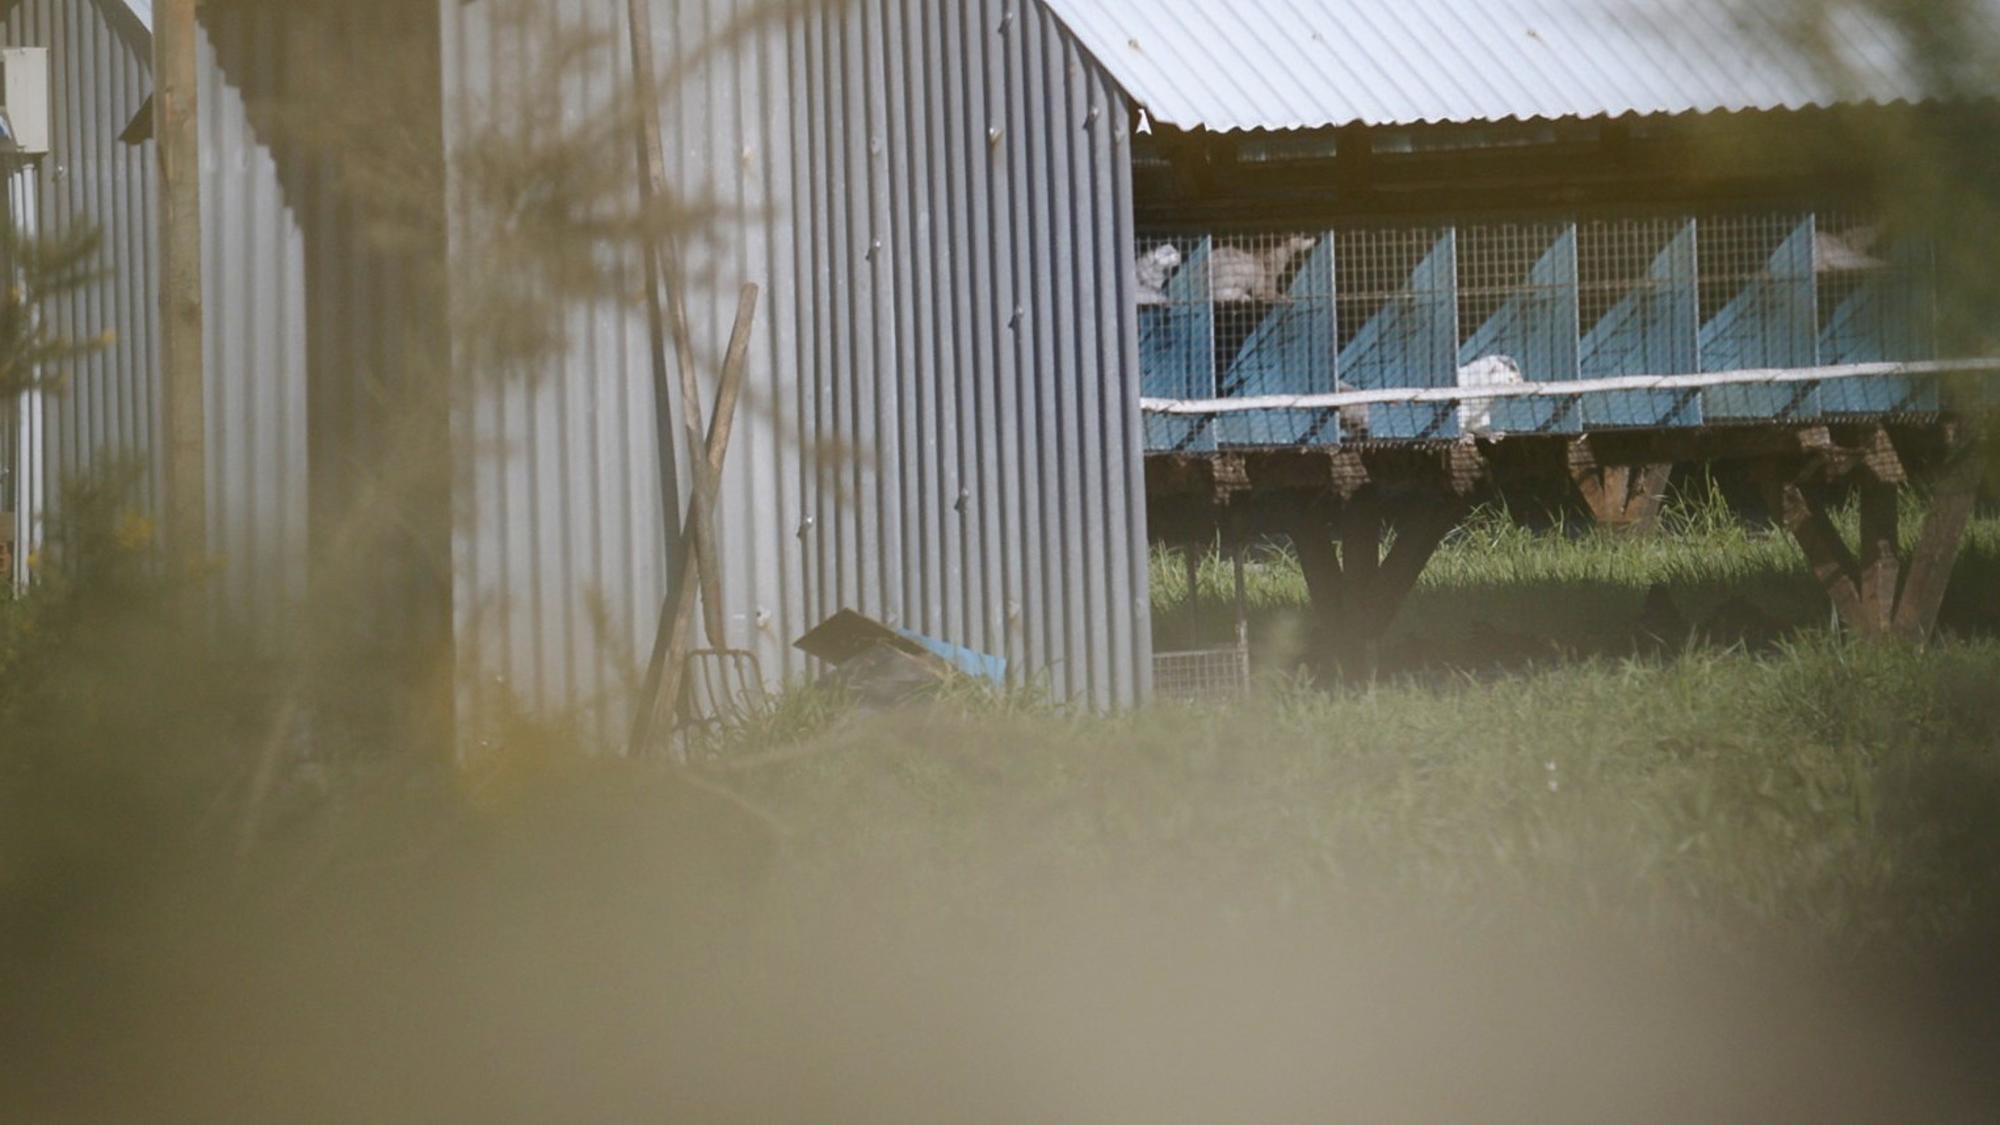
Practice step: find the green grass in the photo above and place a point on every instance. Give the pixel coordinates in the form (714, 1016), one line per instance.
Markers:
(1550, 886)
(1500, 594)
(1714, 795)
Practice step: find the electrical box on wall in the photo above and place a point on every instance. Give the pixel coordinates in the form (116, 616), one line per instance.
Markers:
(24, 97)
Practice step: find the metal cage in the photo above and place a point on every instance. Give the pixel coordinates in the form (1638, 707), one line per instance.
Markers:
(1545, 301)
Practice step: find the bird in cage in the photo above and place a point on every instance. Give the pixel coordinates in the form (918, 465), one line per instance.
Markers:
(1475, 415)
(1835, 253)
(1151, 271)
(1354, 416)
(1236, 274)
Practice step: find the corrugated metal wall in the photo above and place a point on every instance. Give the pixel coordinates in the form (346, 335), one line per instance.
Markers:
(253, 280)
(966, 223)
(98, 81)
(943, 429)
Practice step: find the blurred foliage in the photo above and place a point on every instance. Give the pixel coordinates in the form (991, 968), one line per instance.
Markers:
(1413, 901)
(42, 268)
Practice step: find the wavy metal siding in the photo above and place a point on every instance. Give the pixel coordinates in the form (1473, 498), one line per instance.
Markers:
(252, 278)
(943, 429)
(1305, 64)
(97, 81)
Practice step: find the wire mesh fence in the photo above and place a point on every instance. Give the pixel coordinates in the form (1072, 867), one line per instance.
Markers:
(1462, 307)
(1203, 674)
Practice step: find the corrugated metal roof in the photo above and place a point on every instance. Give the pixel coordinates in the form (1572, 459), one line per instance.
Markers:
(1303, 64)
(133, 19)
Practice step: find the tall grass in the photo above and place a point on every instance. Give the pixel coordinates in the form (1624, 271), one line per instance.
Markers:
(1564, 884)
(1501, 590)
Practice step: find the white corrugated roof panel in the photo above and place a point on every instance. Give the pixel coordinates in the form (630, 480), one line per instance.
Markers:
(132, 19)
(1305, 64)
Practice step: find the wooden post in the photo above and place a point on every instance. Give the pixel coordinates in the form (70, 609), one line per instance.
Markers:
(1357, 591)
(1876, 594)
(1360, 526)
(1879, 568)
(1319, 564)
(1624, 497)
(1936, 551)
(1831, 562)
(177, 135)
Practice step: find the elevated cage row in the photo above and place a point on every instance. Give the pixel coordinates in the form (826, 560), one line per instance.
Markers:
(1375, 308)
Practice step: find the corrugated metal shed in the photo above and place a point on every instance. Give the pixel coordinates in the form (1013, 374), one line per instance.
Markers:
(107, 412)
(944, 430)
(1308, 64)
(275, 241)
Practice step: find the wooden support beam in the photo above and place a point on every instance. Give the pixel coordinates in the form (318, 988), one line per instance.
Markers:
(1880, 460)
(1936, 551)
(1466, 468)
(1645, 496)
(1360, 526)
(177, 134)
(1319, 563)
(1417, 539)
(1879, 567)
(1831, 562)
(1603, 491)
(1356, 591)
(1623, 495)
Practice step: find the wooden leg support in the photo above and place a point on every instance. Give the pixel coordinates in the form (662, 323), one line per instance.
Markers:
(1325, 589)
(1936, 551)
(1625, 497)
(1874, 593)
(1356, 592)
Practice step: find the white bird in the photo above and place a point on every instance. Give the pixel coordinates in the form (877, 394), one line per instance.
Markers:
(1475, 415)
(1236, 274)
(1840, 252)
(1151, 271)
(1353, 419)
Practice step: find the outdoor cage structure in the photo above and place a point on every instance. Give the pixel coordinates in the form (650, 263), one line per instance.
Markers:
(949, 200)
(1543, 301)
(1202, 675)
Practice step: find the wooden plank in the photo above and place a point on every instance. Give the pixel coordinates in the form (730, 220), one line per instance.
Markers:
(1603, 491)
(1465, 468)
(1880, 459)
(1830, 560)
(671, 639)
(1646, 495)
(177, 135)
(1937, 546)
(1880, 568)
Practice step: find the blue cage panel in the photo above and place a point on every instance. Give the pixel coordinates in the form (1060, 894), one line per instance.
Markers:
(1877, 305)
(1544, 302)
(1287, 344)
(1176, 340)
(1759, 312)
(1518, 284)
(1639, 291)
(1399, 289)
